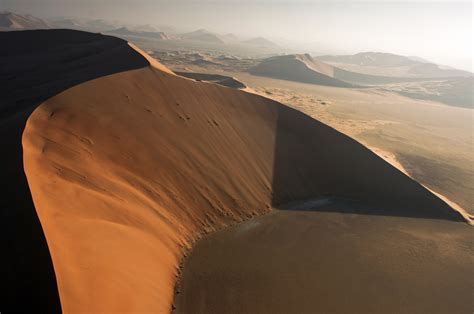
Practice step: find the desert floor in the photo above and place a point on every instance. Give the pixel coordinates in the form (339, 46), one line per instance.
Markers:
(326, 260)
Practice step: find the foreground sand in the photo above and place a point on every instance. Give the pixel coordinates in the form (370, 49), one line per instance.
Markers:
(330, 262)
(128, 170)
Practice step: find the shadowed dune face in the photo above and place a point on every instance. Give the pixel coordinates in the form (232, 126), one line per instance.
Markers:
(36, 65)
(314, 160)
(127, 170)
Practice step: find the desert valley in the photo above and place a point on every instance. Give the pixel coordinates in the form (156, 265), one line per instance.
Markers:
(146, 169)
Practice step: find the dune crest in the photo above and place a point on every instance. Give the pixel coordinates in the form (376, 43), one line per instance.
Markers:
(153, 63)
(127, 170)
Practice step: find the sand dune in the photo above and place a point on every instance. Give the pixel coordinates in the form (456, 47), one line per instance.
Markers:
(299, 68)
(171, 175)
(127, 170)
(306, 69)
(37, 65)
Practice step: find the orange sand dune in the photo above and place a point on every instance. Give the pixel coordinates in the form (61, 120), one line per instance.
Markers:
(36, 65)
(127, 170)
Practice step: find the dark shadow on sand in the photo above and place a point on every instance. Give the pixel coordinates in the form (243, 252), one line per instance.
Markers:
(312, 160)
(34, 66)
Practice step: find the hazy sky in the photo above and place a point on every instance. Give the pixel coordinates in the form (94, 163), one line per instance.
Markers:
(439, 31)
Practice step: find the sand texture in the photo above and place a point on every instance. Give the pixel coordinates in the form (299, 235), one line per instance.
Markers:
(324, 261)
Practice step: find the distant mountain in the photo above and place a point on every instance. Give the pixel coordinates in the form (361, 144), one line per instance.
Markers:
(124, 31)
(380, 59)
(170, 30)
(100, 24)
(145, 28)
(203, 35)
(83, 24)
(388, 64)
(261, 42)
(67, 23)
(10, 21)
(231, 36)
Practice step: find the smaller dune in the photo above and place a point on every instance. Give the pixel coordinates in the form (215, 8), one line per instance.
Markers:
(298, 68)
(305, 69)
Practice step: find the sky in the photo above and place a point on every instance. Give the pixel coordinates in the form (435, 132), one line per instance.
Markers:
(438, 31)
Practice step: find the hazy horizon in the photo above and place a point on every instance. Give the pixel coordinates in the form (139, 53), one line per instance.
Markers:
(437, 31)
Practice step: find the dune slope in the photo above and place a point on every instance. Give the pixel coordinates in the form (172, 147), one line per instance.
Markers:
(314, 160)
(36, 65)
(127, 170)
